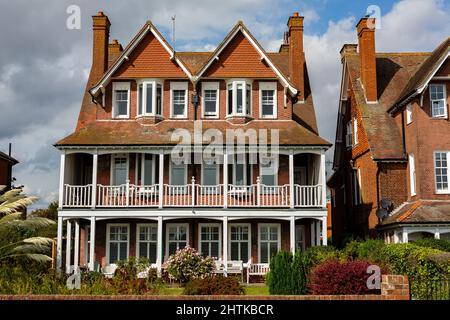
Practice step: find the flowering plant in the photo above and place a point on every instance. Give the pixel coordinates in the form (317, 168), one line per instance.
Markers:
(187, 264)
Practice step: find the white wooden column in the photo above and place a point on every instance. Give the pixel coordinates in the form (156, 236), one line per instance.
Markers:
(291, 179)
(323, 179)
(92, 245)
(59, 245)
(76, 247)
(225, 243)
(161, 178)
(225, 178)
(62, 166)
(68, 245)
(313, 233)
(324, 231)
(94, 179)
(292, 234)
(159, 246)
(318, 233)
(405, 235)
(396, 239)
(437, 234)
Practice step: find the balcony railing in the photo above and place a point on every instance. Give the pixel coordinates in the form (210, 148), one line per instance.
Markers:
(194, 195)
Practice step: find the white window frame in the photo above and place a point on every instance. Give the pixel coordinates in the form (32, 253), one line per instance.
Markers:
(200, 241)
(179, 86)
(349, 135)
(168, 225)
(409, 113)
(448, 173)
(445, 115)
(260, 225)
(268, 86)
(412, 174)
(138, 240)
(185, 172)
(113, 166)
(211, 86)
(275, 160)
(153, 158)
(108, 232)
(244, 83)
(235, 163)
(355, 131)
(217, 173)
(154, 83)
(249, 241)
(120, 86)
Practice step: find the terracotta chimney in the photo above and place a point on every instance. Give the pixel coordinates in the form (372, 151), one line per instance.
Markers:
(100, 28)
(284, 48)
(296, 54)
(115, 48)
(368, 65)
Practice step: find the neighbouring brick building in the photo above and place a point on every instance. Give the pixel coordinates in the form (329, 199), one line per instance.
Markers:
(392, 143)
(123, 194)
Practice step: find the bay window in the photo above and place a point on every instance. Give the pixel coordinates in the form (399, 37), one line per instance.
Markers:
(149, 98)
(240, 242)
(121, 99)
(239, 98)
(438, 101)
(209, 239)
(117, 242)
(210, 94)
(179, 98)
(147, 237)
(268, 99)
(269, 240)
(177, 237)
(442, 171)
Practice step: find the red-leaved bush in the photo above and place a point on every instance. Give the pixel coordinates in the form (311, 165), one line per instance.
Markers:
(333, 277)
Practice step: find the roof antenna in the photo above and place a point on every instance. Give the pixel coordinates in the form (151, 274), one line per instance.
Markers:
(173, 31)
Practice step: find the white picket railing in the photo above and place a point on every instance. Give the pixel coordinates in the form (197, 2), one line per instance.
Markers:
(78, 196)
(194, 195)
(308, 196)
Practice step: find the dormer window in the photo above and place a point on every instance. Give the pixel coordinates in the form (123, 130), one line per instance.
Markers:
(149, 98)
(268, 99)
(179, 98)
(121, 99)
(438, 101)
(239, 98)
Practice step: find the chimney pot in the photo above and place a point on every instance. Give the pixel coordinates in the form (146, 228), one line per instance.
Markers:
(100, 13)
(295, 14)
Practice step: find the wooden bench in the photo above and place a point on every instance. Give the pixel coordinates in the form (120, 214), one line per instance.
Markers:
(256, 269)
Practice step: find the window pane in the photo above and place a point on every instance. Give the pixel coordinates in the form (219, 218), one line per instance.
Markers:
(113, 249)
(121, 102)
(239, 174)
(234, 251)
(152, 252)
(178, 175)
(267, 100)
(214, 250)
(204, 249)
(148, 170)
(239, 98)
(179, 102)
(140, 99)
(159, 99)
(149, 103)
(172, 247)
(143, 249)
(210, 101)
(248, 99)
(273, 249)
(230, 99)
(210, 175)
(441, 171)
(120, 171)
(244, 251)
(264, 252)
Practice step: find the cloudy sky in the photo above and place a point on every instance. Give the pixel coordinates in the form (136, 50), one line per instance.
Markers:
(44, 65)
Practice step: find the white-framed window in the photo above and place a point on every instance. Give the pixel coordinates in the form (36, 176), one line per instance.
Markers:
(210, 173)
(409, 113)
(268, 99)
(117, 242)
(119, 169)
(239, 98)
(442, 171)
(239, 243)
(209, 239)
(121, 100)
(269, 241)
(349, 135)
(146, 165)
(147, 241)
(242, 170)
(150, 98)
(412, 174)
(438, 101)
(355, 131)
(210, 101)
(178, 174)
(179, 100)
(177, 235)
(268, 171)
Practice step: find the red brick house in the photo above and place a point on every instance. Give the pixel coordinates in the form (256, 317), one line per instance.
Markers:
(392, 143)
(123, 192)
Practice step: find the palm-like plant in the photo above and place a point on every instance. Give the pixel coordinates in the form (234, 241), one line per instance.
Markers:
(34, 248)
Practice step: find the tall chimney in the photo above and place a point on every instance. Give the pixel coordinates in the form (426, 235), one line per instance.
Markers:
(368, 65)
(100, 28)
(296, 54)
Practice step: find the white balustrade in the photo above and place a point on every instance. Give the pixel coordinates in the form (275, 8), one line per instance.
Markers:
(308, 196)
(77, 196)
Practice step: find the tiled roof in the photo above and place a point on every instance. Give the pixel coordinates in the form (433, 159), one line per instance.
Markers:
(393, 73)
(132, 133)
(421, 211)
(194, 60)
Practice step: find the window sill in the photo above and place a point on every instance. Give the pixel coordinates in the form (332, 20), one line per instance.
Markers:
(268, 117)
(439, 118)
(179, 118)
(442, 192)
(121, 117)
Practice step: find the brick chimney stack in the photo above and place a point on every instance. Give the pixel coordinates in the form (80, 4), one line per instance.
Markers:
(100, 26)
(368, 65)
(296, 54)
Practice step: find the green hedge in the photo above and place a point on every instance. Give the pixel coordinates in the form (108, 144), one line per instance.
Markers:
(288, 274)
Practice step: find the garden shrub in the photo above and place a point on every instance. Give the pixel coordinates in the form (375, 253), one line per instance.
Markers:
(130, 268)
(288, 274)
(333, 277)
(187, 264)
(440, 244)
(371, 250)
(318, 254)
(214, 285)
